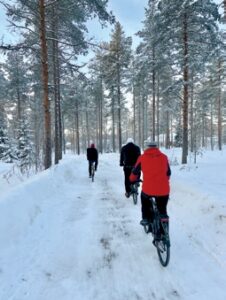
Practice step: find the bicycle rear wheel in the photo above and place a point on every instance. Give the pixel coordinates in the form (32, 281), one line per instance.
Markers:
(92, 173)
(134, 197)
(148, 228)
(163, 250)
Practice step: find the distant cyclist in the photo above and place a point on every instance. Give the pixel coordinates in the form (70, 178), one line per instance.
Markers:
(128, 157)
(92, 157)
(156, 173)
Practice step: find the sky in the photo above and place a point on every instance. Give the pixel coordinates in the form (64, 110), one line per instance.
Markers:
(64, 237)
(130, 14)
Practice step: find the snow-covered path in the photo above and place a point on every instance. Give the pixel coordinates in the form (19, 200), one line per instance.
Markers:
(64, 237)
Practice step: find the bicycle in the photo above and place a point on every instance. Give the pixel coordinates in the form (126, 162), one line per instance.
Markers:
(134, 191)
(160, 232)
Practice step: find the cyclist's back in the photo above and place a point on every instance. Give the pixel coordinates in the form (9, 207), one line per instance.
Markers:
(92, 157)
(92, 153)
(128, 157)
(129, 154)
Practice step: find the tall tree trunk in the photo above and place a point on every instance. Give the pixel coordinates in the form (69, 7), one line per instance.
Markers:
(119, 109)
(157, 110)
(59, 102)
(55, 89)
(139, 118)
(143, 119)
(56, 83)
(19, 105)
(167, 140)
(203, 128)
(192, 114)
(113, 121)
(63, 136)
(134, 114)
(211, 124)
(87, 123)
(153, 95)
(46, 104)
(146, 117)
(101, 117)
(77, 127)
(185, 96)
(219, 109)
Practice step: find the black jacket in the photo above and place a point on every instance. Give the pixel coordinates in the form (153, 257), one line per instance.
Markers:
(92, 154)
(129, 154)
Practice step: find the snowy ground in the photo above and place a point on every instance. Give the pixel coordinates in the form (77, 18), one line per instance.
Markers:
(63, 237)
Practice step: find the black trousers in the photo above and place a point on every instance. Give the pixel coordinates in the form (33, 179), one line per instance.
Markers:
(146, 205)
(90, 164)
(127, 172)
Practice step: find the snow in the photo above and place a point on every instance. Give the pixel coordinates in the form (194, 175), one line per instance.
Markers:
(64, 237)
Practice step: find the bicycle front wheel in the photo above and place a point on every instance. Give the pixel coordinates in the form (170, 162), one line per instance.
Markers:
(163, 250)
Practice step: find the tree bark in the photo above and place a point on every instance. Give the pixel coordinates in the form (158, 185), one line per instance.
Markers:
(119, 109)
(211, 125)
(46, 104)
(87, 124)
(192, 115)
(134, 114)
(55, 89)
(153, 95)
(113, 121)
(167, 140)
(219, 110)
(77, 127)
(185, 96)
(157, 111)
(59, 102)
(101, 117)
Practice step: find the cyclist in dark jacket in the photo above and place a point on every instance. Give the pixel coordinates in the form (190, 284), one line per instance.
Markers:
(128, 157)
(156, 173)
(92, 157)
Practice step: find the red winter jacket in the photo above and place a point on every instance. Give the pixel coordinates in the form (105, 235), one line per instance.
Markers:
(156, 172)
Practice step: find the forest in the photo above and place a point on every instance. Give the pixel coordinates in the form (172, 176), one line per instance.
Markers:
(171, 87)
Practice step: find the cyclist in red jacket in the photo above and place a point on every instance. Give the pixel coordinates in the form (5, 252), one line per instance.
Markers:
(156, 172)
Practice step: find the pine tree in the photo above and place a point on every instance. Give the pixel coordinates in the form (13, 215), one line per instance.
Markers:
(118, 62)
(45, 24)
(192, 32)
(25, 151)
